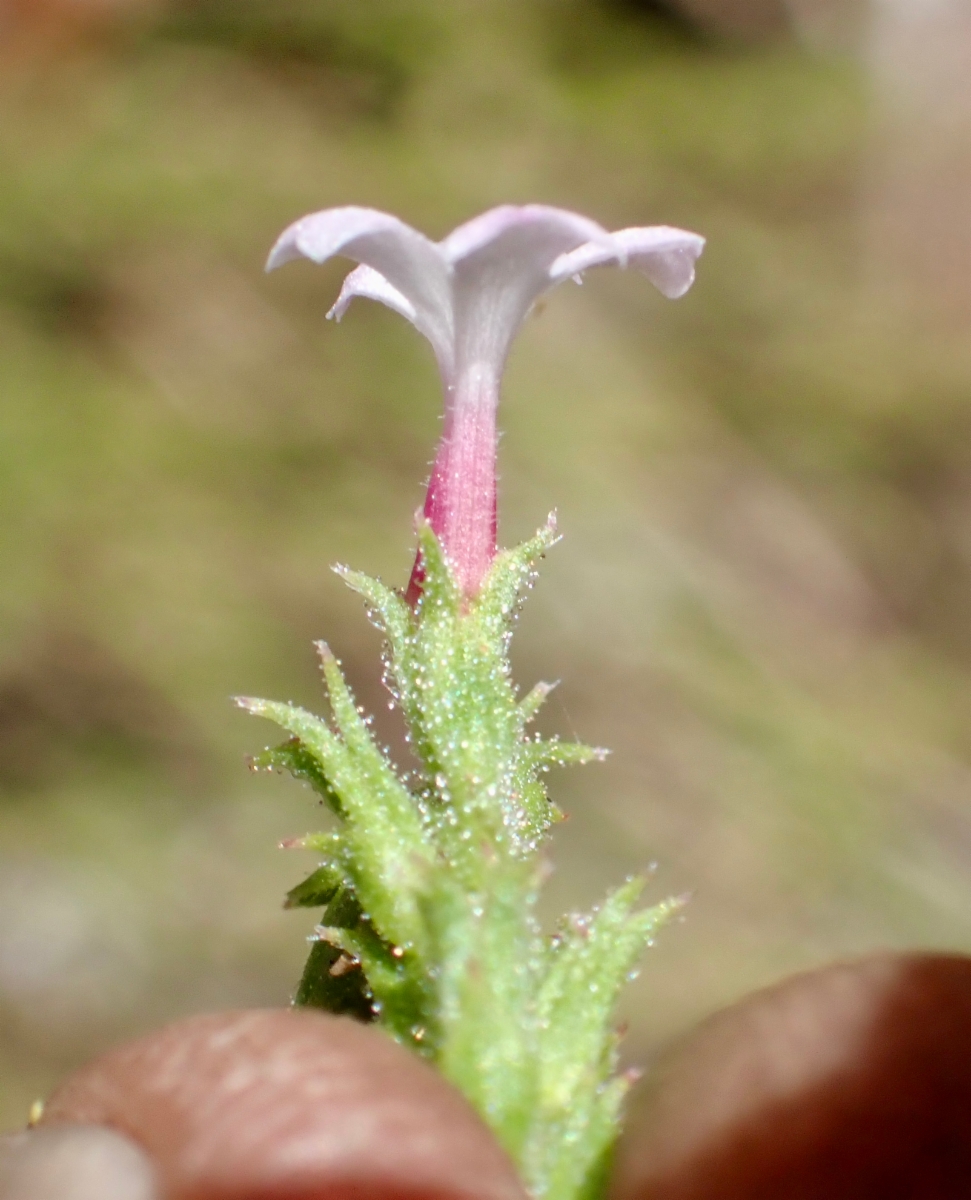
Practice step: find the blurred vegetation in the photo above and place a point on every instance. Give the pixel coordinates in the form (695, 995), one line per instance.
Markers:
(762, 599)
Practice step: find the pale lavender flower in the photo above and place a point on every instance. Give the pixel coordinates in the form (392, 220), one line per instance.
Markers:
(468, 295)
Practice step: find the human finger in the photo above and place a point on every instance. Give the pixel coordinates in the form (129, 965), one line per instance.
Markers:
(289, 1105)
(850, 1082)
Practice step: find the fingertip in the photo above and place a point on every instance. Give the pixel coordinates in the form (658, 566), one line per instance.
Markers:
(289, 1105)
(851, 1082)
(75, 1162)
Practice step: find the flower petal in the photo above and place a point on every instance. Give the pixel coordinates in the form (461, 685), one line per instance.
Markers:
(411, 265)
(501, 262)
(371, 285)
(667, 257)
(532, 222)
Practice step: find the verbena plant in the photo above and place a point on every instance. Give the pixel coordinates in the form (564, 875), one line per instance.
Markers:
(429, 883)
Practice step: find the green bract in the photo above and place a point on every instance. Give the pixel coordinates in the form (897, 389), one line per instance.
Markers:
(429, 887)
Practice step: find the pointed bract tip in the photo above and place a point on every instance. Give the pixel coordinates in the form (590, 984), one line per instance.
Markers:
(292, 843)
(551, 529)
(249, 704)
(328, 933)
(600, 754)
(324, 653)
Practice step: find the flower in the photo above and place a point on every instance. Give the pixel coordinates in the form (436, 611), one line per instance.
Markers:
(468, 295)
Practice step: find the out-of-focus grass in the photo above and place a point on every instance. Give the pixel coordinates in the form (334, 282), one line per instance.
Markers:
(761, 602)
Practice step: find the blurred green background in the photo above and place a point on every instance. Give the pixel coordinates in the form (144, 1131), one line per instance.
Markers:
(763, 594)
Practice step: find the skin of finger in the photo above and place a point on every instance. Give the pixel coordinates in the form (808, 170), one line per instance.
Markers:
(74, 1162)
(289, 1105)
(852, 1081)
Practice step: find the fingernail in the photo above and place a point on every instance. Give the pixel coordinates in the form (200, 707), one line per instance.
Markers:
(74, 1162)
